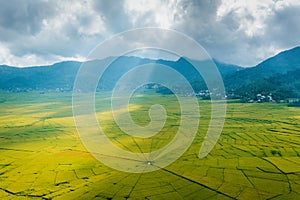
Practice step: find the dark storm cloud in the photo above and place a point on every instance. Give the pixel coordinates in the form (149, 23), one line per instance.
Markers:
(40, 32)
(234, 31)
(113, 14)
(219, 37)
(239, 32)
(284, 26)
(23, 17)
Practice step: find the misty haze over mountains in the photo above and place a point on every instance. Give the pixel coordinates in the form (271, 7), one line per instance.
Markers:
(278, 76)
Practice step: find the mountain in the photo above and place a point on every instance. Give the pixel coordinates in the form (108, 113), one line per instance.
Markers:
(61, 76)
(278, 77)
(279, 87)
(281, 63)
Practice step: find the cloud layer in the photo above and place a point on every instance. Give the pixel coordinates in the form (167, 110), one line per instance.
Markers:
(234, 31)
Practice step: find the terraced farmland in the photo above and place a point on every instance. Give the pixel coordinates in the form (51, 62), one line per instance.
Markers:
(42, 157)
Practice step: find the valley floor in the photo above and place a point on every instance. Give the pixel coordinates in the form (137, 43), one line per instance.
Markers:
(41, 156)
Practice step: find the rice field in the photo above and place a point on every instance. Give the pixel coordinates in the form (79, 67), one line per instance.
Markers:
(41, 156)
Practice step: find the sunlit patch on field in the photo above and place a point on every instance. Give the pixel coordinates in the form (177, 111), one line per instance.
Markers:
(41, 155)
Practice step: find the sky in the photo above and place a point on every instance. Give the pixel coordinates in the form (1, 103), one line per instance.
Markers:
(40, 32)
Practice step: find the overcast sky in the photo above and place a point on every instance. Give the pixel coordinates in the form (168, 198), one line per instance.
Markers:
(37, 32)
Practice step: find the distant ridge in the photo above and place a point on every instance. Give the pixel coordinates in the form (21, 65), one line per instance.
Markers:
(61, 76)
(277, 76)
(281, 63)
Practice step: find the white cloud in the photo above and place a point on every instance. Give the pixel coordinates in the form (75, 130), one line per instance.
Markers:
(250, 15)
(282, 4)
(69, 34)
(6, 57)
(151, 13)
(235, 31)
(239, 31)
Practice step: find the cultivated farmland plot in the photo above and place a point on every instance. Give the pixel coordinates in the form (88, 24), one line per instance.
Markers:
(41, 156)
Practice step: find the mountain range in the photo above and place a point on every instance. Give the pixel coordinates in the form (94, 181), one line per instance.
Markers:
(62, 75)
(278, 76)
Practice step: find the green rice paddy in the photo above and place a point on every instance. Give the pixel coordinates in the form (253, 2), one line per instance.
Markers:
(41, 156)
